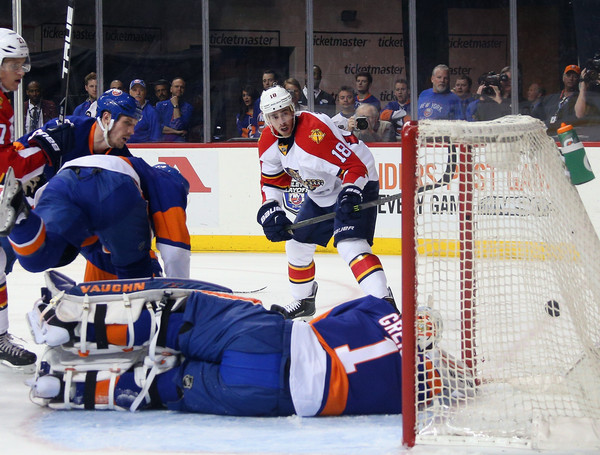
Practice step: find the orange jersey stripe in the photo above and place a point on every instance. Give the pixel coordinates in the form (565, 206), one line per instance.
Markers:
(337, 395)
(93, 273)
(33, 245)
(90, 241)
(171, 225)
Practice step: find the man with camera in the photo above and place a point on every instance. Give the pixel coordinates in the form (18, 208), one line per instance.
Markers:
(587, 106)
(493, 97)
(560, 107)
(369, 128)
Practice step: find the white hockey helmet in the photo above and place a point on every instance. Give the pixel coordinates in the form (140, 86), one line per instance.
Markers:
(12, 45)
(274, 99)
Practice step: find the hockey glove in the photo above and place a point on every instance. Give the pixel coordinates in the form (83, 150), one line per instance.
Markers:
(274, 221)
(54, 142)
(348, 199)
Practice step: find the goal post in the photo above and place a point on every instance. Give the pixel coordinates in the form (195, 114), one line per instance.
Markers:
(496, 241)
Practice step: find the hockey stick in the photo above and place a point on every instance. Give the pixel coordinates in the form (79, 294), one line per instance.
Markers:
(66, 61)
(444, 180)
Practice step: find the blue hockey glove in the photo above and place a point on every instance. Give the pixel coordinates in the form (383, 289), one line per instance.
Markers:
(349, 197)
(274, 221)
(55, 142)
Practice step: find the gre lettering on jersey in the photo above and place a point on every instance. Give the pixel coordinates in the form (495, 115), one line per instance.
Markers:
(392, 323)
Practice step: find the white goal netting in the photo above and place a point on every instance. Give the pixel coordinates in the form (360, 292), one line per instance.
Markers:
(507, 255)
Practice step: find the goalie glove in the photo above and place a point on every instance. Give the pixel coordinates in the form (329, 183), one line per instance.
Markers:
(54, 142)
(274, 222)
(347, 200)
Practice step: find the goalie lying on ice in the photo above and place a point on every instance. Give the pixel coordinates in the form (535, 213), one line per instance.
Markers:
(193, 346)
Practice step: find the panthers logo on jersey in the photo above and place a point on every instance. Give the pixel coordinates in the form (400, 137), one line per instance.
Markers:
(310, 184)
(317, 135)
(283, 148)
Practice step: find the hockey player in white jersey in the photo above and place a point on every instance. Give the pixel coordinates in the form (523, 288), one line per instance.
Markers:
(338, 170)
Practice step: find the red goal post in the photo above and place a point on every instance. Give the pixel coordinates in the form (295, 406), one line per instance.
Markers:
(496, 241)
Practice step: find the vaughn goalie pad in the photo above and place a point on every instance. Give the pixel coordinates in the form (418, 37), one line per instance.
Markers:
(66, 309)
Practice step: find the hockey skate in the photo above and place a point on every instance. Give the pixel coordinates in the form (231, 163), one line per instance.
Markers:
(15, 356)
(12, 203)
(303, 308)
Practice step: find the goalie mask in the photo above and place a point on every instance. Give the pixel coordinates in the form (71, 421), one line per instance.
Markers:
(275, 99)
(12, 45)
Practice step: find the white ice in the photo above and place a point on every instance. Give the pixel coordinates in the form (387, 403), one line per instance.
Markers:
(26, 428)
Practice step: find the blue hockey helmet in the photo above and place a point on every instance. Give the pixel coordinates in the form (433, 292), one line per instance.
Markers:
(118, 103)
(175, 174)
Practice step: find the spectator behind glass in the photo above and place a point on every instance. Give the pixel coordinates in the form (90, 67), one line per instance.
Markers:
(243, 119)
(175, 114)
(161, 90)
(363, 81)
(293, 86)
(344, 118)
(323, 100)
(269, 79)
(493, 97)
(439, 102)
(533, 104)
(560, 107)
(37, 111)
(462, 89)
(397, 111)
(587, 106)
(376, 130)
(148, 128)
(91, 87)
(117, 84)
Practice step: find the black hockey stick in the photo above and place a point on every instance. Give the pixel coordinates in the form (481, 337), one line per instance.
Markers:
(444, 180)
(66, 61)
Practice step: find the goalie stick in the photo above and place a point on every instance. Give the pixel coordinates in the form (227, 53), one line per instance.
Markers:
(66, 61)
(444, 180)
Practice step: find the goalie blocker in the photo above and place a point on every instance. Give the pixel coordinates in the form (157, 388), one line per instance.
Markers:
(198, 348)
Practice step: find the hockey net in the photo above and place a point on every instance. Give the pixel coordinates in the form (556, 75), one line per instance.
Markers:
(496, 240)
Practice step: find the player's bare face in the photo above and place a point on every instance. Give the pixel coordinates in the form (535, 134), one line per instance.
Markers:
(11, 73)
(401, 92)
(440, 81)
(283, 121)
(121, 131)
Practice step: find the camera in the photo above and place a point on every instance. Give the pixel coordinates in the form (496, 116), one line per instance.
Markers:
(362, 123)
(592, 67)
(489, 79)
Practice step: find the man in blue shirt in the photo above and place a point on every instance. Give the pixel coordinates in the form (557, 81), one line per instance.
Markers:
(175, 114)
(439, 102)
(91, 87)
(148, 128)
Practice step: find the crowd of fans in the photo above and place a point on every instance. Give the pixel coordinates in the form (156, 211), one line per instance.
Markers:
(169, 118)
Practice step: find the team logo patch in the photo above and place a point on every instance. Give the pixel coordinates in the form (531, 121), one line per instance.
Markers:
(283, 148)
(294, 197)
(188, 381)
(317, 135)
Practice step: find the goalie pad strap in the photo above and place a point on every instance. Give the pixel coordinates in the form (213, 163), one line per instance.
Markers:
(89, 393)
(164, 323)
(100, 326)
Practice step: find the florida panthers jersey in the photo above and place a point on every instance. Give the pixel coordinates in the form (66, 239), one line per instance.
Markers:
(359, 371)
(319, 156)
(23, 163)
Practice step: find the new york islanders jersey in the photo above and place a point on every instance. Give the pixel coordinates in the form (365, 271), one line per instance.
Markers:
(166, 207)
(319, 155)
(348, 360)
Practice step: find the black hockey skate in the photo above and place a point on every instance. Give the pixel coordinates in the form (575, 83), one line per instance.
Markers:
(15, 356)
(12, 203)
(303, 309)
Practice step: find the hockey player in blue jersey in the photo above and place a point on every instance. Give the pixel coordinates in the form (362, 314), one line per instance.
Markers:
(439, 102)
(216, 353)
(103, 206)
